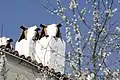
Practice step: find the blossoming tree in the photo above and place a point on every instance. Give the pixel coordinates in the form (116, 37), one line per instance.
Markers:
(92, 36)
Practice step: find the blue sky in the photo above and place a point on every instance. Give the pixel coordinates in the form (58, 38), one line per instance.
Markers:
(14, 13)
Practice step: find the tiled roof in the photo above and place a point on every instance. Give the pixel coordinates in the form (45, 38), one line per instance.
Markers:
(51, 73)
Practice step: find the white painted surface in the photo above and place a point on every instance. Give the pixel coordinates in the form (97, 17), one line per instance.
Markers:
(31, 32)
(52, 30)
(51, 51)
(27, 47)
(48, 50)
(3, 41)
(22, 47)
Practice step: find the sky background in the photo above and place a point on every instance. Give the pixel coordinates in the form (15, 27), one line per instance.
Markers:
(14, 13)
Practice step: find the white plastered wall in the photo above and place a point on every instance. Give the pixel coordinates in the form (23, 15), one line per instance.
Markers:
(51, 52)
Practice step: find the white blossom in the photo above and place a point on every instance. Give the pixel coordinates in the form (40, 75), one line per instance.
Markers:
(75, 20)
(96, 17)
(64, 17)
(96, 12)
(51, 13)
(91, 35)
(77, 44)
(101, 69)
(111, 39)
(118, 29)
(68, 22)
(58, 13)
(89, 11)
(114, 10)
(109, 12)
(104, 54)
(63, 9)
(90, 76)
(106, 2)
(109, 53)
(55, 11)
(83, 11)
(73, 4)
(82, 18)
(74, 15)
(106, 71)
(118, 1)
(68, 35)
(95, 20)
(97, 24)
(99, 64)
(77, 36)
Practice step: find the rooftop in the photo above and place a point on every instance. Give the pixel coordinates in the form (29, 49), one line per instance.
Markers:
(31, 68)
